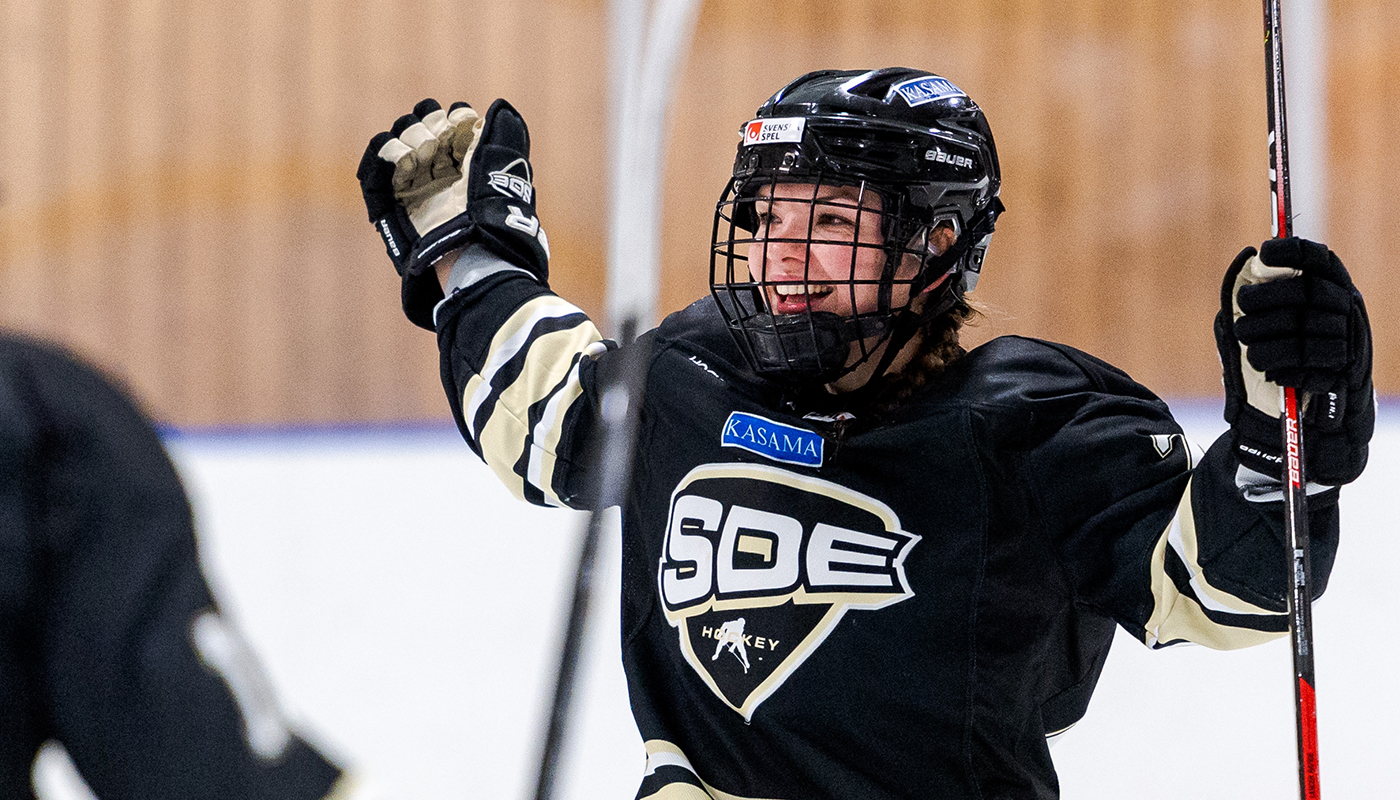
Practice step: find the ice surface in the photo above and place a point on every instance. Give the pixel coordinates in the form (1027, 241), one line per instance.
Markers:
(407, 609)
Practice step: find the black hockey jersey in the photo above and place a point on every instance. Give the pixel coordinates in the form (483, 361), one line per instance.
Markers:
(844, 608)
(110, 642)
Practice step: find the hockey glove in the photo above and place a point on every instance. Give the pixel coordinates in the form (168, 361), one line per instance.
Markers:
(1290, 316)
(439, 180)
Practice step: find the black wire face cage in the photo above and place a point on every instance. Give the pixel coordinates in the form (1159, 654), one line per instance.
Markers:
(861, 273)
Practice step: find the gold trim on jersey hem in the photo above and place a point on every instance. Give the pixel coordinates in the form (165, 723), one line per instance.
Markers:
(679, 791)
(686, 791)
(348, 787)
(1176, 616)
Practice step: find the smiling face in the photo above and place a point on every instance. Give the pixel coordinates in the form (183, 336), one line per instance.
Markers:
(821, 248)
(839, 270)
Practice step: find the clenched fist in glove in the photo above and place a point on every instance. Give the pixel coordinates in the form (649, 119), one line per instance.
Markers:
(441, 179)
(1290, 316)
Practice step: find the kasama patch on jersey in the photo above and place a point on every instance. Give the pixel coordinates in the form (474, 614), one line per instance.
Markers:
(764, 437)
(759, 566)
(918, 91)
(774, 131)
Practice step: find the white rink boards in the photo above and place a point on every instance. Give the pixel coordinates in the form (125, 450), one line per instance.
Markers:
(407, 609)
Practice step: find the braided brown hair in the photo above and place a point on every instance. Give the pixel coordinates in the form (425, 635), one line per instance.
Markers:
(938, 346)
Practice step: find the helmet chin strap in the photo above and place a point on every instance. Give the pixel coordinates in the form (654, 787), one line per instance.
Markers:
(907, 323)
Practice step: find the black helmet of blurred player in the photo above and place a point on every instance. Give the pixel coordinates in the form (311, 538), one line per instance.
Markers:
(861, 206)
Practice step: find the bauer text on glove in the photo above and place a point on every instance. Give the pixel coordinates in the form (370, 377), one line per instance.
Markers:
(1291, 316)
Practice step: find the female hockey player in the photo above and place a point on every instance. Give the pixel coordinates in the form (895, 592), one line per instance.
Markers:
(859, 561)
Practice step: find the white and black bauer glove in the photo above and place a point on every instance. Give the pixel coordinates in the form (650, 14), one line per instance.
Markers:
(1291, 316)
(441, 179)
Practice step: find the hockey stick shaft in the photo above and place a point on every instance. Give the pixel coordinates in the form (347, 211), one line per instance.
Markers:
(1295, 493)
(620, 394)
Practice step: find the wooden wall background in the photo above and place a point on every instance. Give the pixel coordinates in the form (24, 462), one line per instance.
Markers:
(178, 203)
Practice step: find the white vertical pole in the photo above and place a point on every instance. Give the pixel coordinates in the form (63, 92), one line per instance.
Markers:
(648, 46)
(626, 39)
(1305, 28)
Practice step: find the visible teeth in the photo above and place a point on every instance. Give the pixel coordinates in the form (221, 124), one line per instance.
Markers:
(808, 289)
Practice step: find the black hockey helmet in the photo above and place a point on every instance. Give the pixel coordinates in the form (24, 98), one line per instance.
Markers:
(910, 137)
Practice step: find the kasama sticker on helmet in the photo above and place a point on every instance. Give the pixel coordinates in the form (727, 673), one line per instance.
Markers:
(774, 131)
(927, 89)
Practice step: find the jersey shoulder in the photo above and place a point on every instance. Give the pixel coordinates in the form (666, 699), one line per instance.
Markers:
(1023, 371)
(698, 332)
(38, 383)
(694, 347)
(58, 410)
(1024, 390)
(700, 326)
(40, 379)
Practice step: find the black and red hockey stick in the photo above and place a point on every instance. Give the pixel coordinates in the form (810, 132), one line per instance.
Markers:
(1295, 514)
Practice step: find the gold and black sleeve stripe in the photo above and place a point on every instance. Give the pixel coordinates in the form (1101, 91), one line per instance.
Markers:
(1219, 571)
(517, 362)
(1188, 607)
(516, 406)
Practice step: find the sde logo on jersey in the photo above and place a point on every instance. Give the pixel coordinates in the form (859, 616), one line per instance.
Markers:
(763, 436)
(761, 564)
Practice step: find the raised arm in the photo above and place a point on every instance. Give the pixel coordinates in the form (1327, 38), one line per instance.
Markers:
(453, 197)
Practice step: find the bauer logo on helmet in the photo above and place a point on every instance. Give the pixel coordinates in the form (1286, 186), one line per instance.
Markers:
(939, 156)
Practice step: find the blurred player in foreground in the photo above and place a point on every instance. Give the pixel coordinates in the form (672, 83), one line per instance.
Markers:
(110, 643)
(929, 548)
